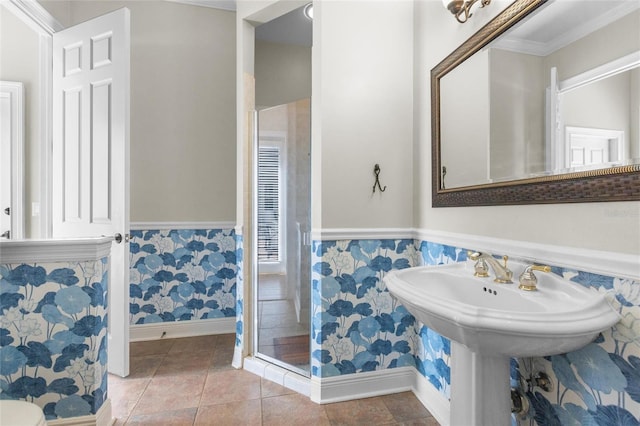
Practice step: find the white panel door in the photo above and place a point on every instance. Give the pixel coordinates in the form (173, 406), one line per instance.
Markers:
(91, 152)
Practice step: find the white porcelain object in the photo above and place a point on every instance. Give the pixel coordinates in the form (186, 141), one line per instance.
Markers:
(490, 318)
(20, 413)
(488, 323)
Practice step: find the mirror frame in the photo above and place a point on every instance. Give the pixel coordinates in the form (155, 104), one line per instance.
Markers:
(611, 184)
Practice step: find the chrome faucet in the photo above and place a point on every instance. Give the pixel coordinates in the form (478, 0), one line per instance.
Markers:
(502, 274)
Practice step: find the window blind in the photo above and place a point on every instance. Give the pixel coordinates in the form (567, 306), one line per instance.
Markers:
(269, 192)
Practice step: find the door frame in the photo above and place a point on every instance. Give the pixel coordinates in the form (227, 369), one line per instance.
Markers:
(45, 25)
(15, 92)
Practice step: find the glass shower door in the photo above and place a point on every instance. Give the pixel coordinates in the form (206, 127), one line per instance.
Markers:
(283, 226)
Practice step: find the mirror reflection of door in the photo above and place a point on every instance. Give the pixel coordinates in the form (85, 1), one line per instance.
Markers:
(283, 194)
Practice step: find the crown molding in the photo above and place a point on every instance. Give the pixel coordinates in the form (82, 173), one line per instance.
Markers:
(229, 5)
(34, 15)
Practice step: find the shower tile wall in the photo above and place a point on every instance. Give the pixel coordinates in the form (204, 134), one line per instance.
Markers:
(182, 275)
(53, 335)
(358, 327)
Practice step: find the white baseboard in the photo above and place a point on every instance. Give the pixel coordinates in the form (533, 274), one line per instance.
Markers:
(437, 404)
(170, 330)
(362, 385)
(383, 382)
(357, 386)
(279, 375)
(101, 418)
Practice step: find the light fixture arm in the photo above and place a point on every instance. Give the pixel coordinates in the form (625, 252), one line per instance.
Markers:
(461, 9)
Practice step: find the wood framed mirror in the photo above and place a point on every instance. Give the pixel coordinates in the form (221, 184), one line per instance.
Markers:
(476, 161)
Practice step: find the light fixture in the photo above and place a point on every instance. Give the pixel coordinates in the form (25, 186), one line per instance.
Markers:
(463, 7)
(308, 11)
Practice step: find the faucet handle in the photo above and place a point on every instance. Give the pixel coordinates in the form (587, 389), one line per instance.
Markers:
(473, 255)
(528, 280)
(481, 268)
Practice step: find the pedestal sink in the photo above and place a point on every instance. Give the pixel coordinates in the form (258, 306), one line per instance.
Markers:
(488, 323)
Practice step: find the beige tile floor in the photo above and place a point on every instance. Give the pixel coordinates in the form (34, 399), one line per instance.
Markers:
(190, 381)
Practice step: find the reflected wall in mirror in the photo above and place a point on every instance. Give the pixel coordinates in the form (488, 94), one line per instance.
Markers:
(541, 106)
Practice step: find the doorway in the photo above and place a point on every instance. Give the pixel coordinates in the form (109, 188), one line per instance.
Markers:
(102, 128)
(282, 193)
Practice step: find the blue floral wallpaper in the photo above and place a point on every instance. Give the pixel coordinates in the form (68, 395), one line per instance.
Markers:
(357, 326)
(600, 383)
(239, 294)
(433, 357)
(53, 336)
(182, 274)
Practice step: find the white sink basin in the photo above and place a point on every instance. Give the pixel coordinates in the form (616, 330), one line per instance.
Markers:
(489, 318)
(488, 323)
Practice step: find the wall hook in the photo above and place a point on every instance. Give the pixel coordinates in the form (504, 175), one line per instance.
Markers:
(376, 170)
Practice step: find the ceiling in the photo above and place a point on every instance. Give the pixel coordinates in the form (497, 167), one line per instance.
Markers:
(561, 22)
(291, 28)
(553, 26)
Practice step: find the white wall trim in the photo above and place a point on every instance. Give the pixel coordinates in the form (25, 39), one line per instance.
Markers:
(143, 226)
(356, 386)
(362, 385)
(382, 382)
(279, 375)
(600, 262)
(14, 91)
(101, 418)
(42, 251)
(176, 329)
(45, 112)
(363, 234)
(606, 263)
(228, 5)
(38, 18)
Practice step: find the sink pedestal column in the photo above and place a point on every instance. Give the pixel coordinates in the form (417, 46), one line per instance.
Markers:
(480, 389)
